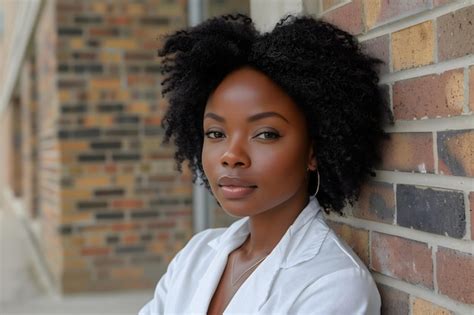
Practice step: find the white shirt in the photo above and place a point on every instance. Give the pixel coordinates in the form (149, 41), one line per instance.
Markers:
(310, 271)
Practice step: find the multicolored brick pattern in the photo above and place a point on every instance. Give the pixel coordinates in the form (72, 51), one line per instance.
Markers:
(421, 204)
(114, 209)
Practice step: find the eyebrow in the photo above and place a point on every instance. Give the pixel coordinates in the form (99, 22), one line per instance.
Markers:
(249, 119)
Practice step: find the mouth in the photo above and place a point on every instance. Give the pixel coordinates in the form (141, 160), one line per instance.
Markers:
(235, 187)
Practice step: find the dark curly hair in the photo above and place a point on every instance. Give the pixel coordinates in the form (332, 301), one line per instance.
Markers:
(320, 66)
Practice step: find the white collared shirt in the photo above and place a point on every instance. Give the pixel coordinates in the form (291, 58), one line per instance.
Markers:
(310, 271)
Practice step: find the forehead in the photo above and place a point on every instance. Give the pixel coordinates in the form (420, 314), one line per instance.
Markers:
(251, 90)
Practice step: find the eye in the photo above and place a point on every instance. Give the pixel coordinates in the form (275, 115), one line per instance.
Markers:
(268, 135)
(214, 134)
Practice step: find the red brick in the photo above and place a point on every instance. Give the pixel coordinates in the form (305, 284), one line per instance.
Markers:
(436, 95)
(357, 239)
(394, 302)
(127, 203)
(452, 31)
(161, 225)
(401, 258)
(379, 47)
(119, 20)
(125, 227)
(95, 251)
(378, 12)
(409, 152)
(376, 202)
(347, 17)
(455, 152)
(455, 274)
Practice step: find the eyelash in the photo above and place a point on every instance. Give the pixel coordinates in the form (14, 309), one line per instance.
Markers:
(274, 135)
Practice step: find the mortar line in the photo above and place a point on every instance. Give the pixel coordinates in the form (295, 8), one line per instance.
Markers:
(434, 250)
(406, 233)
(435, 68)
(435, 152)
(437, 124)
(430, 180)
(425, 294)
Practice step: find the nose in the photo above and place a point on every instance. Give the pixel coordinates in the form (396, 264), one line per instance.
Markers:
(235, 155)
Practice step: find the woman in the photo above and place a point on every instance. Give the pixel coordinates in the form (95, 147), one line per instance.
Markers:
(279, 126)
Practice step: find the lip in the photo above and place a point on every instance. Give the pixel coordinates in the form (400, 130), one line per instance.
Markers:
(235, 187)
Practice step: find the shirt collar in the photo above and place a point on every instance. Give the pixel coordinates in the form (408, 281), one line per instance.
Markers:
(301, 241)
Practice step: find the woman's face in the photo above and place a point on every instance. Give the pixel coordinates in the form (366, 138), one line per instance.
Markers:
(256, 148)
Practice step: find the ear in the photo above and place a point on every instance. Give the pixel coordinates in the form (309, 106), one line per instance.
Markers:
(312, 162)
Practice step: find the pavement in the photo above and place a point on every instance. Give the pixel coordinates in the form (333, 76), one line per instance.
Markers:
(23, 292)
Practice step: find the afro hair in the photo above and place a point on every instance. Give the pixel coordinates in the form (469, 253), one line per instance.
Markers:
(321, 67)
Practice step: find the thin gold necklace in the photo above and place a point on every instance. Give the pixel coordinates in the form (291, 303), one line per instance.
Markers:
(247, 270)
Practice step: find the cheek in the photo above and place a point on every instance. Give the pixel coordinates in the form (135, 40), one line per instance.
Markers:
(285, 164)
(209, 158)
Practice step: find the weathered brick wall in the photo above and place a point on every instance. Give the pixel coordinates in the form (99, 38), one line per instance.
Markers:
(125, 210)
(413, 224)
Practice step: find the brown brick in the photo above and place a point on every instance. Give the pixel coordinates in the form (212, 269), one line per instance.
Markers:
(127, 203)
(95, 251)
(125, 227)
(92, 181)
(72, 145)
(378, 12)
(423, 307)
(401, 258)
(376, 202)
(77, 218)
(437, 95)
(76, 43)
(105, 83)
(126, 272)
(455, 274)
(413, 46)
(379, 47)
(455, 152)
(357, 239)
(409, 152)
(347, 17)
(394, 302)
(453, 31)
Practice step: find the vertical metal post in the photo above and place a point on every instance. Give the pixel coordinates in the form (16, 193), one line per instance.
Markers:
(200, 199)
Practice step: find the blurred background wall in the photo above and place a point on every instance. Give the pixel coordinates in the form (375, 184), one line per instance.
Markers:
(81, 153)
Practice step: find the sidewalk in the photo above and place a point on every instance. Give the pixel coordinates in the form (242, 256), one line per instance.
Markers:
(21, 293)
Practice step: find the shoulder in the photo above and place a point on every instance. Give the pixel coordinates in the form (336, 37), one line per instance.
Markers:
(338, 274)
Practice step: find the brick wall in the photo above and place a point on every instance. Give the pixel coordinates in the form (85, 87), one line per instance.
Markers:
(413, 224)
(114, 210)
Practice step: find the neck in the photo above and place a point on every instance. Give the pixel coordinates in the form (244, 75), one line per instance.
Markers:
(267, 228)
